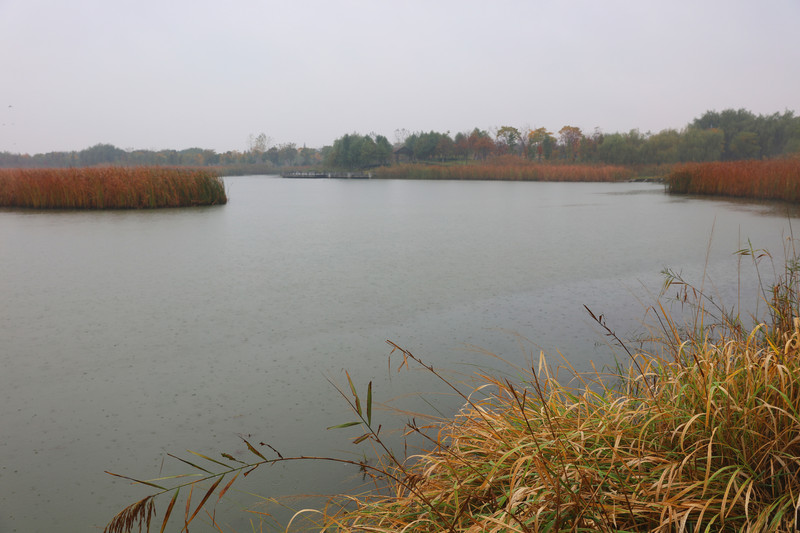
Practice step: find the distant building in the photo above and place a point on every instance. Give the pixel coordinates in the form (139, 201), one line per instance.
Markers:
(402, 154)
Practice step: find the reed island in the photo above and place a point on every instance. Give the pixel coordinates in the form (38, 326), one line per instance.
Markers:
(110, 187)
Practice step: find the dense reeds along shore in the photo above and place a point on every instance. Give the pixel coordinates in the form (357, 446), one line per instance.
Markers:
(110, 188)
(507, 168)
(773, 179)
(701, 432)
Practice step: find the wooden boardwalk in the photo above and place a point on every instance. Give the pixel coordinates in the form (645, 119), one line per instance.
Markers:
(335, 175)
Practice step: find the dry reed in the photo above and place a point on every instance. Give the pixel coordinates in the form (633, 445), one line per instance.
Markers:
(774, 179)
(507, 168)
(110, 188)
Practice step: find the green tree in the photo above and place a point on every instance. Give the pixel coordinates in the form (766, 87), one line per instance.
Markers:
(480, 143)
(614, 149)
(445, 147)
(425, 146)
(744, 145)
(775, 133)
(792, 144)
(701, 145)
(431, 145)
(590, 144)
(287, 153)
(662, 148)
(461, 145)
(101, 154)
(548, 146)
(307, 156)
(731, 122)
(623, 148)
(571, 137)
(354, 151)
(368, 152)
(508, 139)
(383, 153)
(536, 142)
(272, 155)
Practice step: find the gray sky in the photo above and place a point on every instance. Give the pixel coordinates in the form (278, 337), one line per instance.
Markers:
(157, 74)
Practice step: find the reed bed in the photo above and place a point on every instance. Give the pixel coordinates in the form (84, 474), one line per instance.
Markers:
(110, 188)
(774, 179)
(700, 433)
(715, 448)
(507, 168)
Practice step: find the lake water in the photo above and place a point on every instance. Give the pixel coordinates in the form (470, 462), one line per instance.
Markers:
(127, 335)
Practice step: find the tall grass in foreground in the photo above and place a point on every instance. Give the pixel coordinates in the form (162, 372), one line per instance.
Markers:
(506, 168)
(774, 179)
(110, 188)
(701, 433)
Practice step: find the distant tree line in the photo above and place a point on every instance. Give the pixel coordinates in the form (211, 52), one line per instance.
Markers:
(716, 136)
(728, 135)
(107, 154)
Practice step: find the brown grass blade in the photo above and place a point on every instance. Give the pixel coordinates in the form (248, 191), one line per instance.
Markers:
(168, 512)
(345, 425)
(355, 394)
(252, 449)
(205, 499)
(188, 508)
(226, 487)
(136, 480)
(231, 458)
(207, 458)
(190, 463)
(369, 404)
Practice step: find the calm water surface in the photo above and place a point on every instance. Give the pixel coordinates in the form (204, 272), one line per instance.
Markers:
(127, 335)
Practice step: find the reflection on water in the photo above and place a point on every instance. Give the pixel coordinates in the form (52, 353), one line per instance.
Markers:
(128, 334)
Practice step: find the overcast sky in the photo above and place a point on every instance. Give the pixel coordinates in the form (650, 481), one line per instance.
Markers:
(157, 74)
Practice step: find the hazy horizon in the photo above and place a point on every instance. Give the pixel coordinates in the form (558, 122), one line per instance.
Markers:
(147, 75)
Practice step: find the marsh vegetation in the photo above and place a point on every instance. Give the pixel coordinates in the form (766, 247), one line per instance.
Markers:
(774, 179)
(110, 188)
(507, 168)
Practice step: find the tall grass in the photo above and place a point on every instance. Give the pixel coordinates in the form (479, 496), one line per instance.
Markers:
(508, 168)
(110, 188)
(701, 432)
(774, 179)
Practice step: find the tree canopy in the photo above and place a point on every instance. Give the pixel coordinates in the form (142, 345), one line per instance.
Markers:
(354, 151)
